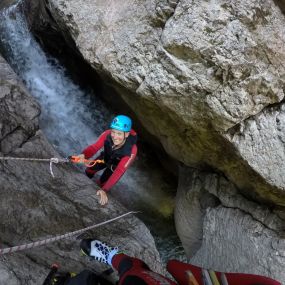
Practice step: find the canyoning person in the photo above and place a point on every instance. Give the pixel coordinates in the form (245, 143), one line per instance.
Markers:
(119, 151)
(134, 271)
(131, 270)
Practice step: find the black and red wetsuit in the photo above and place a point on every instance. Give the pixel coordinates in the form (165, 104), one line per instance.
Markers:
(116, 161)
(133, 271)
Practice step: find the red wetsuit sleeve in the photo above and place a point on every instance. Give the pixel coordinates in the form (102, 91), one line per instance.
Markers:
(121, 168)
(94, 148)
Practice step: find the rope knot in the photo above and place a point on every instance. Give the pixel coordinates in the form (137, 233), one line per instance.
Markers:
(54, 160)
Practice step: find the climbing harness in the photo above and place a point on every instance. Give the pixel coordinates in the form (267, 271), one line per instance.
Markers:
(73, 159)
(59, 237)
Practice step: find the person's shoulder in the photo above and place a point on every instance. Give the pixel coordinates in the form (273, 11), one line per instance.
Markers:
(133, 138)
(133, 133)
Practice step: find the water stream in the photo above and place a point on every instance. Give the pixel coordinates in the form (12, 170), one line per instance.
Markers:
(73, 117)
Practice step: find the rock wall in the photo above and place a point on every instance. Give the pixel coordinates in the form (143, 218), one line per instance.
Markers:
(35, 206)
(225, 231)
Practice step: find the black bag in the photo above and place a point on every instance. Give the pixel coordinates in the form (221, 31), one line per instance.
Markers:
(85, 277)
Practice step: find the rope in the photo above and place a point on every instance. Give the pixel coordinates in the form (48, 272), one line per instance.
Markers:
(56, 238)
(86, 162)
(91, 163)
(62, 160)
(73, 159)
(50, 160)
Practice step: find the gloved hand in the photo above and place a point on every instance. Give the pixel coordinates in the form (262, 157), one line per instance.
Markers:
(103, 197)
(78, 158)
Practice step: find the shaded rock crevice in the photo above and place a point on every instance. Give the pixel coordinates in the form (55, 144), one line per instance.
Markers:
(167, 13)
(281, 5)
(278, 230)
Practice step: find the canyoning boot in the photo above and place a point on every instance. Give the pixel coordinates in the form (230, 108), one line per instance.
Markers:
(98, 250)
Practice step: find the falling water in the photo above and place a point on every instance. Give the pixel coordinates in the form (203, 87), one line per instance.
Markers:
(72, 118)
(68, 114)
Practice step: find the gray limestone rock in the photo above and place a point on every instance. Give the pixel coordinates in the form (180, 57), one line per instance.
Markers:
(223, 231)
(192, 200)
(261, 142)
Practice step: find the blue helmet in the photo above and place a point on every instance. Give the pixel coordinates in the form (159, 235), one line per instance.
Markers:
(121, 123)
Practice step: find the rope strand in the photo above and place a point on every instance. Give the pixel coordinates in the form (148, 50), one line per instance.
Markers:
(56, 238)
(56, 160)
(50, 160)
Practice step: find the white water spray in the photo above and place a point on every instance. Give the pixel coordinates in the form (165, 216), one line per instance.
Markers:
(70, 119)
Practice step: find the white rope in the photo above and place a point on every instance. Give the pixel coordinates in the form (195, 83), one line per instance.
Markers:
(62, 160)
(50, 160)
(56, 238)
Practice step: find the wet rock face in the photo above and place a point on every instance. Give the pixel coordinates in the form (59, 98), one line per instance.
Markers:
(222, 230)
(36, 206)
(6, 3)
(15, 129)
(192, 72)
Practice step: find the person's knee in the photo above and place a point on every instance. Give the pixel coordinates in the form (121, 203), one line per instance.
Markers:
(130, 263)
(89, 173)
(99, 183)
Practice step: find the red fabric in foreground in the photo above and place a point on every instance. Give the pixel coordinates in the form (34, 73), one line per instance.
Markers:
(137, 272)
(178, 270)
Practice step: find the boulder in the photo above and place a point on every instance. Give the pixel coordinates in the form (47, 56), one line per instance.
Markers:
(191, 72)
(222, 230)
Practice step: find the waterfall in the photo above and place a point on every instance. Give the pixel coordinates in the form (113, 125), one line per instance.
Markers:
(73, 118)
(70, 118)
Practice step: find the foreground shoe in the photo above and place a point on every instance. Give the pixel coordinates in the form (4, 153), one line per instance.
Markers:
(98, 250)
